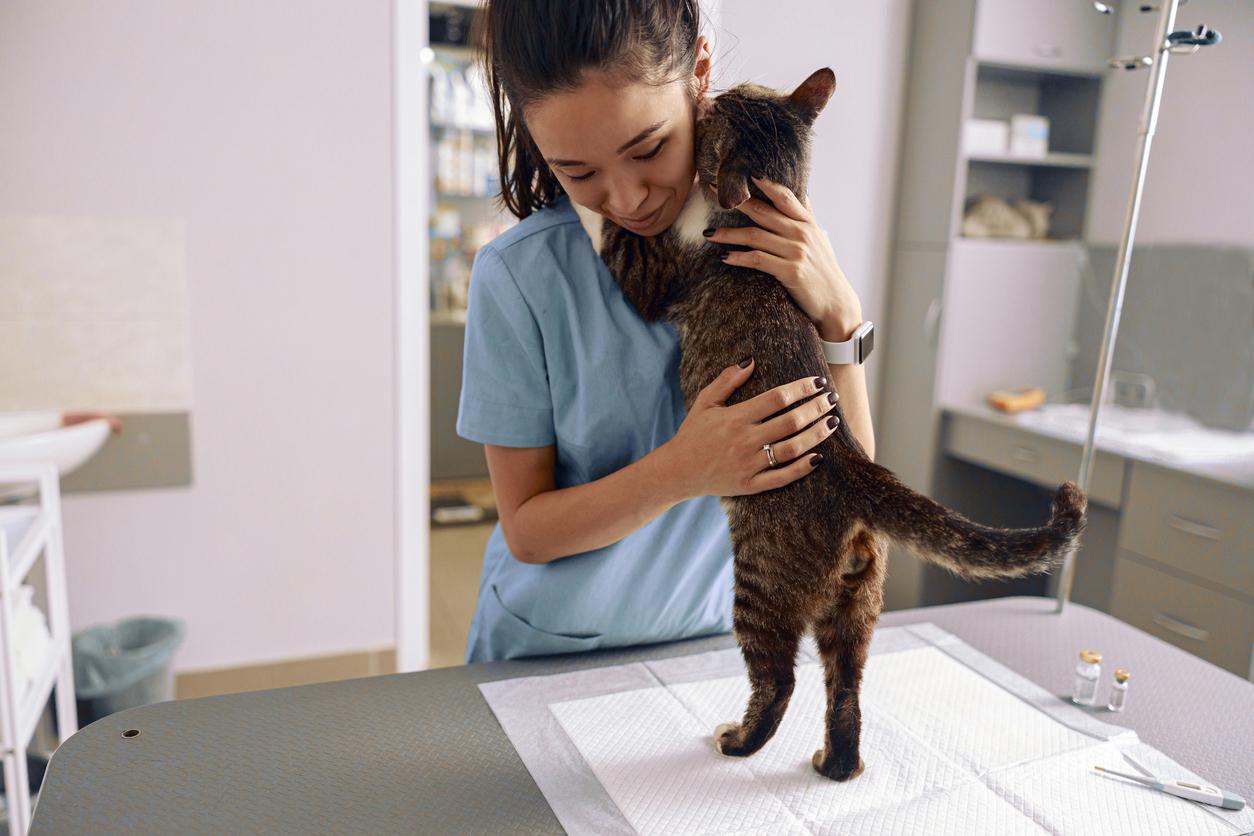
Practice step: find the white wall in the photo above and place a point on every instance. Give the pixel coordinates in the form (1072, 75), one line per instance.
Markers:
(266, 128)
(853, 180)
(1199, 187)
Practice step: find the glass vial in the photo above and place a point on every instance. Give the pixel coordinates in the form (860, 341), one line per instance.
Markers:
(1087, 673)
(1118, 690)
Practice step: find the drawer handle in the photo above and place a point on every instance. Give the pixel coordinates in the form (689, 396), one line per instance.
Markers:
(1206, 532)
(1025, 454)
(1180, 628)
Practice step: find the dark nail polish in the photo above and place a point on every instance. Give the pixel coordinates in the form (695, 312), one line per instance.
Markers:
(815, 459)
(723, 257)
(831, 397)
(744, 364)
(832, 422)
(707, 232)
(819, 381)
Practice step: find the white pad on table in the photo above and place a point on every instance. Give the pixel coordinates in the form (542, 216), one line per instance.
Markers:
(953, 742)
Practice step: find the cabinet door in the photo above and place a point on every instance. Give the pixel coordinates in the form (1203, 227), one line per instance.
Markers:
(1052, 34)
(1216, 627)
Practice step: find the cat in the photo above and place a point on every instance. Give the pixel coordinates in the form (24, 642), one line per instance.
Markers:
(988, 216)
(811, 554)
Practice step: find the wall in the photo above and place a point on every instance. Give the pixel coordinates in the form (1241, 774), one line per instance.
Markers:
(1199, 186)
(265, 128)
(854, 174)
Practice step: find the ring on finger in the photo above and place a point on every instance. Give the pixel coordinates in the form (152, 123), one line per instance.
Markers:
(770, 456)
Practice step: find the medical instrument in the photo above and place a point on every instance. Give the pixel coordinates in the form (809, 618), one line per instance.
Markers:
(1087, 673)
(1204, 793)
(1166, 42)
(1118, 690)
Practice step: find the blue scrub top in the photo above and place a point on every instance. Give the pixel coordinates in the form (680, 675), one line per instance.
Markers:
(555, 354)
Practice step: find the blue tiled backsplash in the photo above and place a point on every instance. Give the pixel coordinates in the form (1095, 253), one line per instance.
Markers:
(1188, 322)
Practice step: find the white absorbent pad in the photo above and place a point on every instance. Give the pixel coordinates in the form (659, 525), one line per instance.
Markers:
(953, 742)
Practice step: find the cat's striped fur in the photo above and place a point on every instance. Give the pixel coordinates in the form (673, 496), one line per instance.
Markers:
(809, 555)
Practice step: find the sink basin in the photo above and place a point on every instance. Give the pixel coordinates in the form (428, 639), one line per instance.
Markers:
(27, 437)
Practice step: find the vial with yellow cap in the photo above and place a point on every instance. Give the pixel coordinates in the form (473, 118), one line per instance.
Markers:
(1087, 673)
(1118, 690)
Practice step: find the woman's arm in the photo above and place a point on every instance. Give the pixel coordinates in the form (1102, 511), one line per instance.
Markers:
(542, 523)
(849, 381)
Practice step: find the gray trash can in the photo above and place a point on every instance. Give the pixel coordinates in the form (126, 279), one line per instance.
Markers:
(124, 664)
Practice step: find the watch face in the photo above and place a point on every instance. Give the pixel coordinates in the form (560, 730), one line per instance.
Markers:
(866, 344)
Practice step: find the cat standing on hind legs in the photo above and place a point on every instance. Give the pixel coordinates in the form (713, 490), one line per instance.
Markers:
(811, 554)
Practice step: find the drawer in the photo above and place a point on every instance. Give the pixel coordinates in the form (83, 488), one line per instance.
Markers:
(1217, 628)
(1198, 526)
(1046, 461)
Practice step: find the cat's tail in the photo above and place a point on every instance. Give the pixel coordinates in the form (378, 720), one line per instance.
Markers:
(966, 548)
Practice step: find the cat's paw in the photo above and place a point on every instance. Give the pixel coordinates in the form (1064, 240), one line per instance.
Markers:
(727, 739)
(838, 769)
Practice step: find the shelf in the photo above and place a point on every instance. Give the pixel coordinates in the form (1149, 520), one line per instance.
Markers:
(448, 317)
(1025, 242)
(1050, 160)
(1036, 71)
(26, 529)
(454, 126)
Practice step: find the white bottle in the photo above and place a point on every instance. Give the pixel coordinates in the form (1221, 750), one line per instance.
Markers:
(1118, 690)
(1087, 673)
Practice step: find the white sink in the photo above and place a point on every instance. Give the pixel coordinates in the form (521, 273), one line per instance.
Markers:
(27, 437)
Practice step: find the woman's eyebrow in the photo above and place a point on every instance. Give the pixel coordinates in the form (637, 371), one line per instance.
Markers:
(640, 137)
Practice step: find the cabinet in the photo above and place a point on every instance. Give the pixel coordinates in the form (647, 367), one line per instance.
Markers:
(965, 316)
(1058, 34)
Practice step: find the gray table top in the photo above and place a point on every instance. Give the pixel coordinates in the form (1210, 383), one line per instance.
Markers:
(423, 753)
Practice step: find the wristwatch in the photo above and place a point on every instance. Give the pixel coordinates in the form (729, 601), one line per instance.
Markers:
(854, 350)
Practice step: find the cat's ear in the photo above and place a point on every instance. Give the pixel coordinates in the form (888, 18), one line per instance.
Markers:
(814, 93)
(733, 188)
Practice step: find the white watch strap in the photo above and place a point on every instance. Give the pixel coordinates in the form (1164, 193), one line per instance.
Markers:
(848, 351)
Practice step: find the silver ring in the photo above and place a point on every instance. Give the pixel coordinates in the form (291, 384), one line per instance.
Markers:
(770, 456)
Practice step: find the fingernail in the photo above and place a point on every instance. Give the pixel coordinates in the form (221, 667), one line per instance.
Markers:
(815, 459)
(831, 397)
(744, 364)
(832, 422)
(724, 256)
(819, 381)
(707, 232)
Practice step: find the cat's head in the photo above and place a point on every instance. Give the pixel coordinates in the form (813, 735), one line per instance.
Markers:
(751, 130)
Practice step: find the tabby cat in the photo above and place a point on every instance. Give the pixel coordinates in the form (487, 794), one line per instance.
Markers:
(809, 555)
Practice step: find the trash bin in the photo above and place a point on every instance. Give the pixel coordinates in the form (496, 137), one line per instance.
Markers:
(125, 664)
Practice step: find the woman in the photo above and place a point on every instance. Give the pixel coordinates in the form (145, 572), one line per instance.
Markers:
(611, 532)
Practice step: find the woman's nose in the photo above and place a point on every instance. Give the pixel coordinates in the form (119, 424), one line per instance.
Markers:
(626, 198)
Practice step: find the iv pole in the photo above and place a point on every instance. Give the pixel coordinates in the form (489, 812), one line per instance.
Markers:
(1165, 44)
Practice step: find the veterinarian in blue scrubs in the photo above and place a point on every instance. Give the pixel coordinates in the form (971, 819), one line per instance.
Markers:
(555, 356)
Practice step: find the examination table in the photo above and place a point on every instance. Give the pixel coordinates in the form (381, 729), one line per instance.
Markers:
(422, 752)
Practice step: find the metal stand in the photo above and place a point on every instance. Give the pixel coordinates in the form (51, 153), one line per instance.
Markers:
(1165, 44)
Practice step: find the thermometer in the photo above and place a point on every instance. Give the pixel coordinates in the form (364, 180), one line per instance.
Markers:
(1186, 789)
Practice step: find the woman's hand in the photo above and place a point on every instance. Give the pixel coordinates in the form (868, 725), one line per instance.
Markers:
(789, 245)
(718, 448)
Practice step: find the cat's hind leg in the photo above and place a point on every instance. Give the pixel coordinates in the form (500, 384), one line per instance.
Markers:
(843, 635)
(768, 643)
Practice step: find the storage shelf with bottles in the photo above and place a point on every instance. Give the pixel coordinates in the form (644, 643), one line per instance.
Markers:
(465, 182)
(1028, 152)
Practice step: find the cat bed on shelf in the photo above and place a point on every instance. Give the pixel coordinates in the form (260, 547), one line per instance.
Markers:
(953, 742)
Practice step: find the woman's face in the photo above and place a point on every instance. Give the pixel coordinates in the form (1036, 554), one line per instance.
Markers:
(625, 151)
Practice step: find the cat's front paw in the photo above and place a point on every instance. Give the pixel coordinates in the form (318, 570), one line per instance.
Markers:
(727, 739)
(837, 768)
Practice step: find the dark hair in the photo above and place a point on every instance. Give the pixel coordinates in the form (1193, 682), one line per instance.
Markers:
(532, 48)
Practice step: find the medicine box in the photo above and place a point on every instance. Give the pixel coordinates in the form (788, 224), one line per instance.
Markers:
(1029, 135)
(985, 136)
